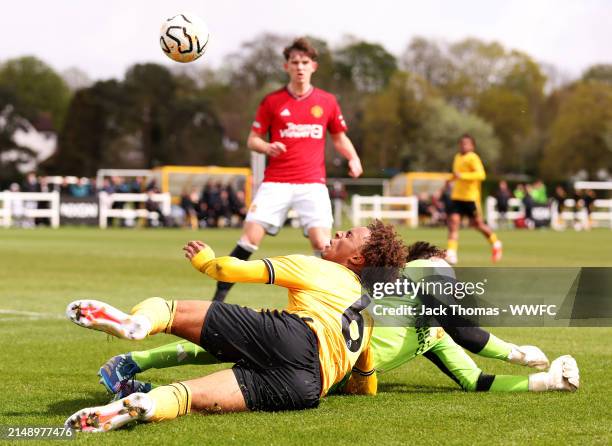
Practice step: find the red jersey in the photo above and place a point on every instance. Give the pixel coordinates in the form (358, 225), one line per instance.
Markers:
(301, 124)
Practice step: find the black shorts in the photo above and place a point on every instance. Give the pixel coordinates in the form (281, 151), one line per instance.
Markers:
(464, 208)
(276, 355)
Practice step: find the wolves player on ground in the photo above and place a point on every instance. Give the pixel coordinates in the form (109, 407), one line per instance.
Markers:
(468, 174)
(295, 121)
(390, 347)
(284, 360)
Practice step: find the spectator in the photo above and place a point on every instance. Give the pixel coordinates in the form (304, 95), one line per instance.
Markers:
(438, 208)
(503, 195)
(239, 209)
(156, 216)
(538, 193)
(17, 208)
(519, 191)
(559, 197)
(190, 204)
(423, 206)
(43, 186)
(80, 189)
(31, 183)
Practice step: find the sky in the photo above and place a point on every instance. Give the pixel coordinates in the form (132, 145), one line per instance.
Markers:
(104, 37)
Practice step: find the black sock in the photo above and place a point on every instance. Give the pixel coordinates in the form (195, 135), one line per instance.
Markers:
(223, 287)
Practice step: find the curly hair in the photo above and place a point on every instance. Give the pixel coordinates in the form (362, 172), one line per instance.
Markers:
(424, 250)
(384, 252)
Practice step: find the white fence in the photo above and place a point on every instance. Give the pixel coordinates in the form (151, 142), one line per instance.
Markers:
(22, 208)
(569, 216)
(393, 208)
(127, 213)
(516, 210)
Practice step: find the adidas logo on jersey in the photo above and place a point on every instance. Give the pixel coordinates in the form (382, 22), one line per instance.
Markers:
(285, 112)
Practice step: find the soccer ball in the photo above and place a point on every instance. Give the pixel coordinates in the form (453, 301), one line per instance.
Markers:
(183, 38)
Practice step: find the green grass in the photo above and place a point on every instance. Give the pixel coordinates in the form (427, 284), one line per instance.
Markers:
(48, 365)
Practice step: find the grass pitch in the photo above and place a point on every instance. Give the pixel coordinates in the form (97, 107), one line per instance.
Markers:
(49, 365)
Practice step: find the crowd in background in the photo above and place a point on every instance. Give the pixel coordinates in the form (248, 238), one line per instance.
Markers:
(216, 205)
(221, 205)
(433, 207)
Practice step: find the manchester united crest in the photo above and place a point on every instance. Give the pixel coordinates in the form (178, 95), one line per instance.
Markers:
(317, 111)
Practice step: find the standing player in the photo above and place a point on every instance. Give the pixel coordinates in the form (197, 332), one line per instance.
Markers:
(468, 174)
(295, 120)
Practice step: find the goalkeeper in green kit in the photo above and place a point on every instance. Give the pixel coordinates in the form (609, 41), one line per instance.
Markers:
(391, 347)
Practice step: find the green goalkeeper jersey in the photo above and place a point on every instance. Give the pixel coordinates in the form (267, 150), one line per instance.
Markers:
(395, 345)
(400, 340)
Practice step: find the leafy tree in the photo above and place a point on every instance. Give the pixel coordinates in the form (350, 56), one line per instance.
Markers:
(509, 114)
(599, 73)
(258, 63)
(368, 66)
(37, 87)
(11, 153)
(391, 121)
(581, 135)
(94, 119)
(436, 141)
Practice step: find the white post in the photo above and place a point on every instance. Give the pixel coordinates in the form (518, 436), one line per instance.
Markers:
(356, 209)
(377, 204)
(55, 206)
(492, 216)
(555, 218)
(103, 209)
(414, 208)
(5, 197)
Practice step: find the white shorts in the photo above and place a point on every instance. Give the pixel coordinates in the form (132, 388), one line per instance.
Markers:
(273, 200)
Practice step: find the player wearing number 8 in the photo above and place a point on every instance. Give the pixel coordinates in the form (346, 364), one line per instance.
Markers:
(283, 360)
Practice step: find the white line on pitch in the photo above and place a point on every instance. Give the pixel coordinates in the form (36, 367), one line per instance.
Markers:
(31, 314)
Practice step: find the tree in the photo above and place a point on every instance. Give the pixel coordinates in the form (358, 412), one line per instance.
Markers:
(509, 114)
(258, 63)
(37, 88)
(436, 141)
(391, 121)
(368, 66)
(599, 73)
(11, 153)
(581, 135)
(95, 118)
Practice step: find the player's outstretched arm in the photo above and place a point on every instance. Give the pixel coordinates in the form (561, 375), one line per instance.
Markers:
(224, 269)
(344, 147)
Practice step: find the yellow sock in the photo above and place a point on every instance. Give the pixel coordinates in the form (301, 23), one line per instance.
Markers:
(453, 245)
(170, 401)
(492, 238)
(159, 311)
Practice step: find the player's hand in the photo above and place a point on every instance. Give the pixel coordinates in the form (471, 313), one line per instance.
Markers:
(276, 148)
(192, 248)
(355, 169)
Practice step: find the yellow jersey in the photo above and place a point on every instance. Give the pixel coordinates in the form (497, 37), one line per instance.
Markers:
(327, 295)
(470, 172)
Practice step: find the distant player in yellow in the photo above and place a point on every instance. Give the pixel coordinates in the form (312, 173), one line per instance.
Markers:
(283, 360)
(468, 174)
